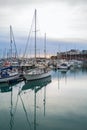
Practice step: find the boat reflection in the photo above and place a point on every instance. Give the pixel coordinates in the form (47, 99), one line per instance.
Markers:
(36, 86)
(37, 83)
(7, 87)
(13, 108)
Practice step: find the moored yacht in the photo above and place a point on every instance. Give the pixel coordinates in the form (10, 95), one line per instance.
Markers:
(40, 71)
(8, 74)
(37, 73)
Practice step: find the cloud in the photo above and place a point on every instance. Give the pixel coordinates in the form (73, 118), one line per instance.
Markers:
(58, 18)
(20, 2)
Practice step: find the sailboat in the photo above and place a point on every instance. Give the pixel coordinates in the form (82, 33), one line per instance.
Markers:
(41, 71)
(9, 73)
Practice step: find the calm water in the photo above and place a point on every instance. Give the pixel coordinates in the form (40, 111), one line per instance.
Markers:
(56, 103)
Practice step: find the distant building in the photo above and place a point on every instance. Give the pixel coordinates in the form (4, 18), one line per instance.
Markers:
(84, 52)
(73, 52)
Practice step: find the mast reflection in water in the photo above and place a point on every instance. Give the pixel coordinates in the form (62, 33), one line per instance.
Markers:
(17, 92)
(36, 85)
(55, 103)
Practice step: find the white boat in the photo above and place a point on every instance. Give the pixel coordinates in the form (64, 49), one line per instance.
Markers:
(8, 74)
(63, 67)
(39, 72)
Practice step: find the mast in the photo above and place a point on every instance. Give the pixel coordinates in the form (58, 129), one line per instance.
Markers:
(45, 47)
(35, 32)
(11, 39)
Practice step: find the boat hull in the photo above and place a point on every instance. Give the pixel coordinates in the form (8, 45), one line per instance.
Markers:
(9, 79)
(36, 76)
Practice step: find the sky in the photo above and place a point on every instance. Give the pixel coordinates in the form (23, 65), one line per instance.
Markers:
(61, 20)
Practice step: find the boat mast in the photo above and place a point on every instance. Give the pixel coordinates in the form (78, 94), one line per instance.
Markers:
(35, 32)
(11, 39)
(45, 47)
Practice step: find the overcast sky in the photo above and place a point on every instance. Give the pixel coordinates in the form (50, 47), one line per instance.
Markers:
(60, 19)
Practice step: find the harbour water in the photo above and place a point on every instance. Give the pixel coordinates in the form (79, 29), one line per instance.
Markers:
(58, 102)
